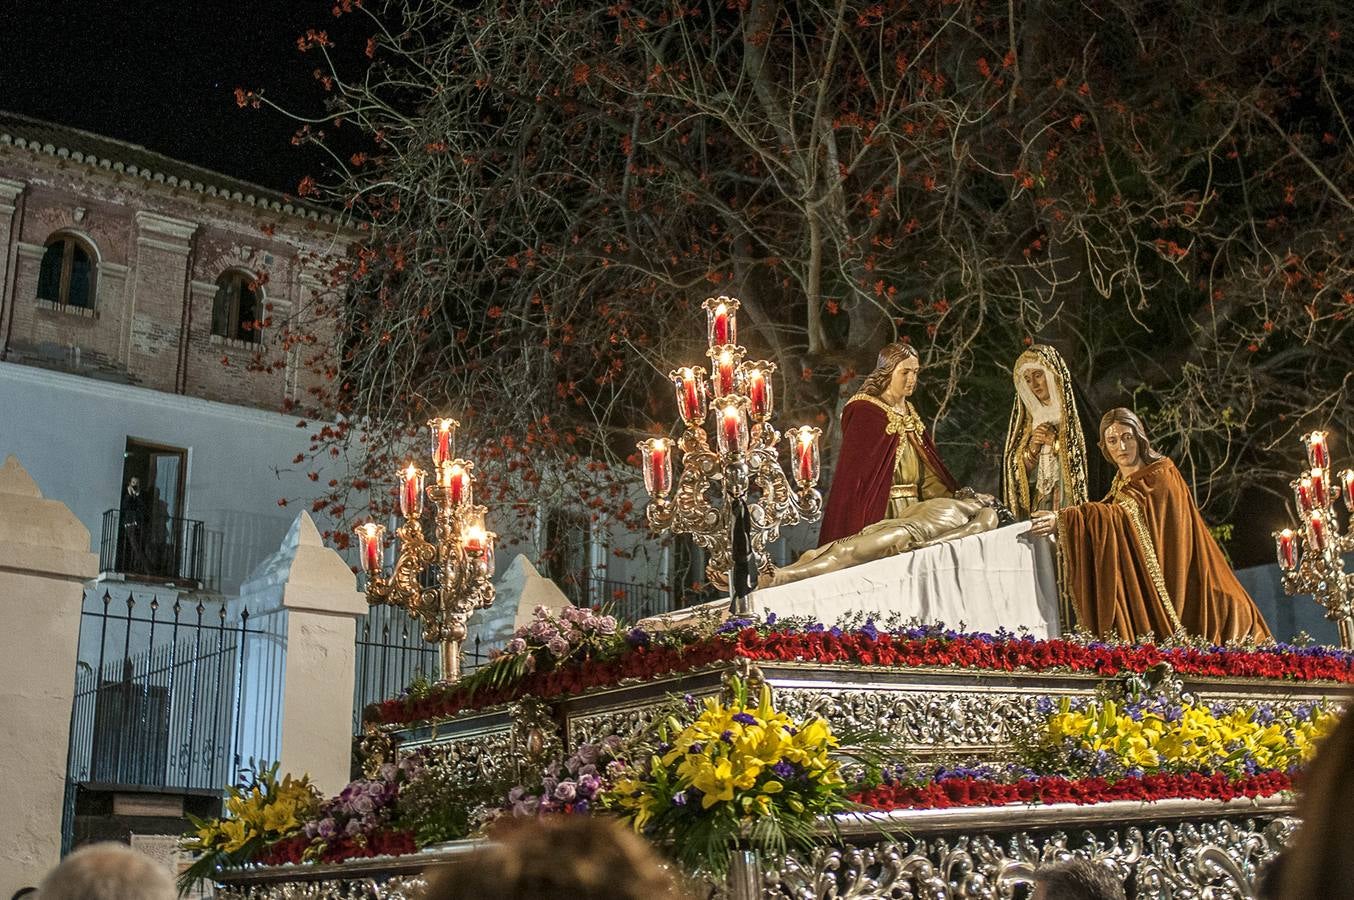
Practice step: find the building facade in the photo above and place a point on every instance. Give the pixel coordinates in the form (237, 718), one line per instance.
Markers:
(151, 320)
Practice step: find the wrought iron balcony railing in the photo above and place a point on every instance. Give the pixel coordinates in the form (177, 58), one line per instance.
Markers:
(153, 548)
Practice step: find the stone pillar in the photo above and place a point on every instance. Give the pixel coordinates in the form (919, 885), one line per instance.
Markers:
(313, 595)
(516, 595)
(44, 562)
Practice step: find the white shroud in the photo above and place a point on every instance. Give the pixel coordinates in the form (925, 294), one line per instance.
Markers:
(1003, 578)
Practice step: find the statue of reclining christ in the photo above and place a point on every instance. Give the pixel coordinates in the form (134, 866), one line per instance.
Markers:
(920, 525)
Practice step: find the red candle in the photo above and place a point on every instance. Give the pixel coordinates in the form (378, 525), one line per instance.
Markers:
(1318, 529)
(442, 432)
(411, 492)
(456, 481)
(757, 400)
(805, 460)
(369, 542)
(1347, 483)
(804, 450)
(1303, 489)
(724, 369)
(475, 538)
(690, 386)
(1287, 545)
(1317, 451)
(656, 455)
(721, 320)
(732, 429)
(1319, 494)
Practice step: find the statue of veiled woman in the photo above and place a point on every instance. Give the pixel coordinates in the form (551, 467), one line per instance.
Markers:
(1045, 466)
(890, 492)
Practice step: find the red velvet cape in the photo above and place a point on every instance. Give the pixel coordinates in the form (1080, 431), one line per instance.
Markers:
(859, 494)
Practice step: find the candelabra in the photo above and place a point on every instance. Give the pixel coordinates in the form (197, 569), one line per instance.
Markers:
(440, 583)
(1313, 560)
(733, 498)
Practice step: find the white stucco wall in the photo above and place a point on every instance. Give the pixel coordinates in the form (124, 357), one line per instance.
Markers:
(70, 433)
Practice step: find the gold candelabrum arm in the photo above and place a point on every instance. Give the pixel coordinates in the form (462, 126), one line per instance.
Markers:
(701, 503)
(1312, 556)
(459, 585)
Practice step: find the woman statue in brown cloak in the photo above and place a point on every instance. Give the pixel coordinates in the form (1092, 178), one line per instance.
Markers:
(1143, 561)
(890, 492)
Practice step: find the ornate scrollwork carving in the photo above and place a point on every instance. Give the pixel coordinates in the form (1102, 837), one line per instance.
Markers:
(399, 887)
(1189, 861)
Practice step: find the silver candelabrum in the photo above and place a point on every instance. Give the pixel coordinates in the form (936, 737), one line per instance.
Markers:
(440, 583)
(1312, 557)
(734, 497)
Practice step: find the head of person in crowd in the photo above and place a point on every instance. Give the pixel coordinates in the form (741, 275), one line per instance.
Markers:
(1320, 863)
(108, 872)
(558, 858)
(1077, 879)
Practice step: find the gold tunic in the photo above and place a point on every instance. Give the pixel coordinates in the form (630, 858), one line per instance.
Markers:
(913, 480)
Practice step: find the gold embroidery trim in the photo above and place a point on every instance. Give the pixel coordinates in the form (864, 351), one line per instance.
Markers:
(898, 422)
(1149, 553)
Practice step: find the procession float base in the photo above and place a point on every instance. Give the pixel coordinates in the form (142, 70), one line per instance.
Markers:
(948, 713)
(1195, 824)
(1166, 849)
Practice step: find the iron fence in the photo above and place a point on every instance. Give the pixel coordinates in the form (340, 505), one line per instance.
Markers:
(166, 548)
(158, 695)
(626, 600)
(391, 654)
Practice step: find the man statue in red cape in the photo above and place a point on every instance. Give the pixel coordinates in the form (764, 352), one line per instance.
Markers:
(890, 492)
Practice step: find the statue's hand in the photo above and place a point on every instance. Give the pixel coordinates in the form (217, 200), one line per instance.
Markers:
(1043, 522)
(1042, 435)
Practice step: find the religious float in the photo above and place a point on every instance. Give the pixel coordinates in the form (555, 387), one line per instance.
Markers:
(816, 748)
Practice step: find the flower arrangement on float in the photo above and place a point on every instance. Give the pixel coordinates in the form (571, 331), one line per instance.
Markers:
(714, 776)
(259, 812)
(558, 656)
(741, 774)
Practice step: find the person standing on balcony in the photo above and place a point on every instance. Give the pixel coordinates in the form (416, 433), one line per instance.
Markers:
(132, 528)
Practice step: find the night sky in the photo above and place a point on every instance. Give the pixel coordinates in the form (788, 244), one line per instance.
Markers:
(163, 75)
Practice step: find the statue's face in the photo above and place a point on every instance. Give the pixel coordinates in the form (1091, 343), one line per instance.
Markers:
(1037, 382)
(904, 379)
(1121, 445)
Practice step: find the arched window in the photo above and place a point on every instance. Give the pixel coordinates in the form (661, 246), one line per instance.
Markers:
(67, 274)
(237, 312)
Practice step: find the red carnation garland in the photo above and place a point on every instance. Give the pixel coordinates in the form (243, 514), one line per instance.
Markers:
(880, 649)
(960, 792)
(378, 843)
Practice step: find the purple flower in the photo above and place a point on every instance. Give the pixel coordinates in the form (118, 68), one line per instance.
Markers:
(783, 770)
(743, 718)
(588, 786)
(727, 737)
(565, 791)
(869, 630)
(607, 625)
(770, 619)
(637, 637)
(679, 798)
(354, 828)
(516, 645)
(581, 806)
(588, 753)
(326, 828)
(557, 646)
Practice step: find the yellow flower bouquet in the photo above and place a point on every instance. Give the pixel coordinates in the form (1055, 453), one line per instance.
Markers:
(740, 774)
(258, 812)
(1159, 735)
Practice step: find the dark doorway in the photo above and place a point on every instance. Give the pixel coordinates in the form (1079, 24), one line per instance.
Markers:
(151, 509)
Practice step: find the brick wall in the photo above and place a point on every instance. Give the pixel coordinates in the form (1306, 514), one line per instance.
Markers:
(160, 251)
